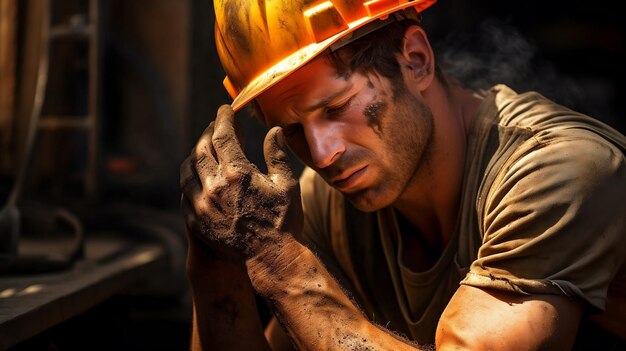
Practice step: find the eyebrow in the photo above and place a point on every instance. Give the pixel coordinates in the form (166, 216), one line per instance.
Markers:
(327, 100)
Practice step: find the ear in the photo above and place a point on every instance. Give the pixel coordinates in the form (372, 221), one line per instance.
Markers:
(417, 59)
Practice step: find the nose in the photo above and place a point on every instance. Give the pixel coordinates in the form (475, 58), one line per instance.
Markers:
(325, 143)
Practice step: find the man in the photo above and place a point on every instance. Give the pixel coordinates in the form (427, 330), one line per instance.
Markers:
(428, 214)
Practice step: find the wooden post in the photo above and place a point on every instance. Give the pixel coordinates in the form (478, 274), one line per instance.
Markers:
(8, 49)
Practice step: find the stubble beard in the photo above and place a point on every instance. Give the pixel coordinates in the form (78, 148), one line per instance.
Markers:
(410, 150)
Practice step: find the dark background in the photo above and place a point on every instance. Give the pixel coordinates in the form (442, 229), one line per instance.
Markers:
(572, 51)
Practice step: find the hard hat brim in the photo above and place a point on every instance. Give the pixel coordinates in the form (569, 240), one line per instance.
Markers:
(301, 57)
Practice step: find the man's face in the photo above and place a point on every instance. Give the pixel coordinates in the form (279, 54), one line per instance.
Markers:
(363, 139)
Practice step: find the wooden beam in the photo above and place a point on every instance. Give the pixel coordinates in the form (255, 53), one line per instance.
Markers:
(114, 265)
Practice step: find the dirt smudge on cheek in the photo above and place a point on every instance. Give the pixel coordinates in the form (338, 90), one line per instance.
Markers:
(373, 112)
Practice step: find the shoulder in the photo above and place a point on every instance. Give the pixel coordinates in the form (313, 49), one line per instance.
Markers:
(568, 162)
(545, 118)
(560, 148)
(560, 188)
(529, 109)
(563, 195)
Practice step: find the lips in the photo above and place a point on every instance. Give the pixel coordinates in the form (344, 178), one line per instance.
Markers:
(349, 179)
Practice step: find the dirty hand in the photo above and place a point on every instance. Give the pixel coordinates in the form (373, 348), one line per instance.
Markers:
(228, 203)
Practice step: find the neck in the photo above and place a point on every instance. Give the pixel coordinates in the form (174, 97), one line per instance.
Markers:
(431, 201)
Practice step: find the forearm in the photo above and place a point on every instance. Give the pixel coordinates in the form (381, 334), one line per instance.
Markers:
(225, 312)
(311, 305)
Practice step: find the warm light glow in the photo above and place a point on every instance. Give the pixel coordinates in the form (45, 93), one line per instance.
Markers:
(6, 293)
(142, 258)
(318, 8)
(33, 289)
(12, 292)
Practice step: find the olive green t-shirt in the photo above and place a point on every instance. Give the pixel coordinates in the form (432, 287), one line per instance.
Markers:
(543, 211)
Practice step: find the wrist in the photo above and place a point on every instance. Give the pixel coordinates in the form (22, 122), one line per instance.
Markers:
(268, 267)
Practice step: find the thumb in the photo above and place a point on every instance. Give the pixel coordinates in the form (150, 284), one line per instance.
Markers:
(276, 157)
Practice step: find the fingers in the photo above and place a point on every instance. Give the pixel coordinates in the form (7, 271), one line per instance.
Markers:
(188, 214)
(194, 235)
(224, 138)
(199, 165)
(189, 182)
(205, 154)
(276, 158)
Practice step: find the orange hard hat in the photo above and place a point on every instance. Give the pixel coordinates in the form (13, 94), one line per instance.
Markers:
(260, 42)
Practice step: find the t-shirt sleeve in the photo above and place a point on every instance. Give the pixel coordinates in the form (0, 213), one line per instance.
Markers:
(554, 221)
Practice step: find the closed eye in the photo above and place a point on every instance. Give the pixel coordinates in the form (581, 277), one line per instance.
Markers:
(336, 111)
